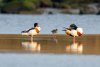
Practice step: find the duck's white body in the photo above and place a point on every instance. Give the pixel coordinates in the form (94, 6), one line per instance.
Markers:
(74, 33)
(32, 32)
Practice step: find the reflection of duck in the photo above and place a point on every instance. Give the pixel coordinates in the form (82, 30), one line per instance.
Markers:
(32, 31)
(74, 48)
(74, 31)
(33, 46)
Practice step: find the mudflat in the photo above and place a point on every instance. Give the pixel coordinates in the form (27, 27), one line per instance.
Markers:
(48, 43)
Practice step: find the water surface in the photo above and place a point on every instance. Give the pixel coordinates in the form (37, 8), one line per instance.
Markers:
(56, 44)
(14, 24)
(49, 51)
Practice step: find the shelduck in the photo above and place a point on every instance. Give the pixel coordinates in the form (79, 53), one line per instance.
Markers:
(33, 31)
(74, 31)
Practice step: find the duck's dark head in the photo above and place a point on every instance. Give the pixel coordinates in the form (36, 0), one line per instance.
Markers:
(35, 24)
(73, 26)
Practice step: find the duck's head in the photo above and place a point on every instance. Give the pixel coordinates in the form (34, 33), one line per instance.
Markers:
(35, 24)
(73, 26)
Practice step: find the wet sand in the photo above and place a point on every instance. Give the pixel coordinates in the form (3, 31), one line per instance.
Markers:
(57, 44)
(47, 36)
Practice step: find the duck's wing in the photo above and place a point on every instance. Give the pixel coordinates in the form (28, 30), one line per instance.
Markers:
(30, 29)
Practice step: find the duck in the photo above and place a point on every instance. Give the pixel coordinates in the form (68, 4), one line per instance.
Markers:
(74, 31)
(32, 31)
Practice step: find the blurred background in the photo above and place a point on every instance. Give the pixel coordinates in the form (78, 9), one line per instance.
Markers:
(50, 6)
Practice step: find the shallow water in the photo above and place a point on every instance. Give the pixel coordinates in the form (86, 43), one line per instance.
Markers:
(49, 52)
(14, 24)
(58, 44)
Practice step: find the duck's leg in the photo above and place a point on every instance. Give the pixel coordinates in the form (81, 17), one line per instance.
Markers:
(31, 38)
(74, 39)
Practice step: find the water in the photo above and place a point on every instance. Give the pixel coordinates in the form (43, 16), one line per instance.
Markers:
(14, 24)
(48, 60)
(61, 44)
(53, 52)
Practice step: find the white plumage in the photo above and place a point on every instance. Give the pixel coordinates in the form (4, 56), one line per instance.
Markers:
(80, 30)
(32, 32)
(74, 33)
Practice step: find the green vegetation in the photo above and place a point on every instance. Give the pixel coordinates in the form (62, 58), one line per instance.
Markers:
(30, 6)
